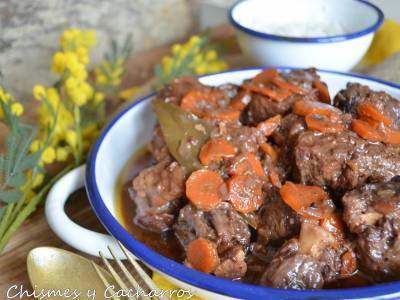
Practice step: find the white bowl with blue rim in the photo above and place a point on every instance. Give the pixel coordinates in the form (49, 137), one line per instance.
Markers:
(128, 132)
(280, 33)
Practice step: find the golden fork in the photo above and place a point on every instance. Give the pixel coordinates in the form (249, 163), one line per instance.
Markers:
(143, 289)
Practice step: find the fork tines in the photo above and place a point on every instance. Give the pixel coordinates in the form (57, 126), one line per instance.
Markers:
(137, 290)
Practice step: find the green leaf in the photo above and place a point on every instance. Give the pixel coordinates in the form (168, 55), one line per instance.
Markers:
(27, 136)
(2, 168)
(30, 161)
(10, 196)
(11, 144)
(17, 180)
(180, 128)
(105, 71)
(107, 57)
(114, 50)
(2, 210)
(127, 48)
(159, 74)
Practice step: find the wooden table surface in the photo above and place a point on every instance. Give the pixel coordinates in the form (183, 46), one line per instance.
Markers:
(35, 232)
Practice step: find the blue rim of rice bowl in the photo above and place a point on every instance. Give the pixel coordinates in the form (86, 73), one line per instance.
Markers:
(327, 39)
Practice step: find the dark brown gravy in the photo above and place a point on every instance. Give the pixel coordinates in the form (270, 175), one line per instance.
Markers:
(166, 244)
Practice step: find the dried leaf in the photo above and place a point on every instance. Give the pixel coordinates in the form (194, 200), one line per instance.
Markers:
(183, 132)
(249, 219)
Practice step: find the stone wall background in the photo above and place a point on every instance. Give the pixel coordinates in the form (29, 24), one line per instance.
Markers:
(29, 31)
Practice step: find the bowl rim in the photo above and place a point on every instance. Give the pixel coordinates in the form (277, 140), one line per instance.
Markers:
(317, 40)
(199, 279)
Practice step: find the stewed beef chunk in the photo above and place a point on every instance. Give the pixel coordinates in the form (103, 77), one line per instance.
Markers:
(228, 92)
(157, 193)
(307, 262)
(262, 107)
(222, 226)
(302, 78)
(291, 126)
(373, 213)
(246, 139)
(355, 94)
(205, 100)
(290, 269)
(285, 137)
(277, 222)
(178, 88)
(232, 264)
(156, 218)
(343, 161)
(157, 146)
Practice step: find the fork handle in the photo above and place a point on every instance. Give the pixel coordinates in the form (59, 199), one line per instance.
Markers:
(76, 236)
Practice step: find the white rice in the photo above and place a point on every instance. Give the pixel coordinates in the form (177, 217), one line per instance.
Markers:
(317, 26)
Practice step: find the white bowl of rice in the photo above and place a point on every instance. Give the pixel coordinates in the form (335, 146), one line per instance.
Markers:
(303, 33)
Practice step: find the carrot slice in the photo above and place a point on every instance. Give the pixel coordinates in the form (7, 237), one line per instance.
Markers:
(374, 124)
(245, 195)
(366, 131)
(307, 107)
(224, 115)
(204, 189)
(300, 197)
(247, 163)
(269, 150)
(333, 223)
(288, 86)
(323, 124)
(370, 111)
(392, 136)
(270, 125)
(323, 91)
(202, 255)
(265, 76)
(274, 95)
(216, 149)
(274, 177)
(349, 263)
(191, 102)
(240, 101)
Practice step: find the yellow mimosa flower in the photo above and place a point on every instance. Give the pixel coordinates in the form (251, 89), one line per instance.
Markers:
(35, 146)
(39, 92)
(62, 154)
(17, 109)
(48, 155)
(71, 138)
